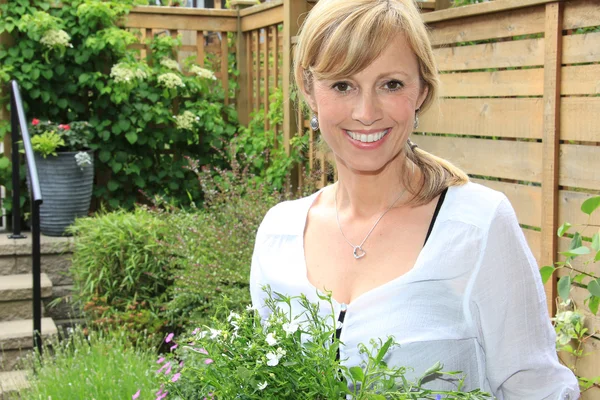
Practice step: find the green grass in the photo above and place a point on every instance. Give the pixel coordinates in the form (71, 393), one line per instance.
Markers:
(100, 366)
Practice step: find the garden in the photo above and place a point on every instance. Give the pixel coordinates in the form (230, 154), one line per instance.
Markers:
(179, 176)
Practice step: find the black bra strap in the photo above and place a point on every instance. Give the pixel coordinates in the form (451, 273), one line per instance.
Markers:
(436, 212)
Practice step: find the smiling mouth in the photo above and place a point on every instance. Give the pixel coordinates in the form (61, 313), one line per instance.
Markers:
(368, 138)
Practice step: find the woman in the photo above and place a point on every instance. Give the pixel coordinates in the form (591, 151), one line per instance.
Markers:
(406, 244)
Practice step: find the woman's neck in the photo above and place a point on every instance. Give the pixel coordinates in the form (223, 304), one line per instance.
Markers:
(362, 195)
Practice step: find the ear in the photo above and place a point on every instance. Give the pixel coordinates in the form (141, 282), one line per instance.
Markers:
(310, 98)
(422, 96)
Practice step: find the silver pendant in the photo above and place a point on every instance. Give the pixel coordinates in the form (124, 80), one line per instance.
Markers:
(359, 252)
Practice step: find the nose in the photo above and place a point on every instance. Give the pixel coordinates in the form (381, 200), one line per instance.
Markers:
(367, 109)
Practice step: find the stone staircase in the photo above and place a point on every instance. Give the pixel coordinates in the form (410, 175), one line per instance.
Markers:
(16, 304)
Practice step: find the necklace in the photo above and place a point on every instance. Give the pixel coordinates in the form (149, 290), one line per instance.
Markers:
(358, 251)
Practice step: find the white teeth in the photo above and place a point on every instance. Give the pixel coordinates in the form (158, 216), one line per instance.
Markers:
(373, 137)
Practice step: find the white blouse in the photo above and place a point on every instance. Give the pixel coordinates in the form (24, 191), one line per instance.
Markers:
(474, 299)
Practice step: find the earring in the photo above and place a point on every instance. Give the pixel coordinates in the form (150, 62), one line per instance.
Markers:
(416, 123)
(314, 123)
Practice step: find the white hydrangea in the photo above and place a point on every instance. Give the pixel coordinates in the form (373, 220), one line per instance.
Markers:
(170, 63)
(56, 38)
(186, 120)
(123, 72)
(202, 72)
(83, 159)
(170, 80)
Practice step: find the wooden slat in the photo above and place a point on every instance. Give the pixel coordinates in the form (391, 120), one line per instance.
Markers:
(579, 119)
(148, 36)
(242, 95)
(249, 68)
(499, 25)
(579, 166)
(581, 48)
(581, 79)
(485, 117)
(260, 8)
(534, 240)
(276, 53)
(550, 142)
(181, 22)
(497, 158)
(527, 82)
(516, 53)
(569, 210)
(257, 75)
(526, 200)
(225, 65)
(200, 48)
(270, 16)
(185, 11)
(482, 9)
(265, 51)
(581, 14)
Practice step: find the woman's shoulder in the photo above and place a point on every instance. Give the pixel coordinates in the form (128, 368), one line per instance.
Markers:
(475, 204)
(288, 217)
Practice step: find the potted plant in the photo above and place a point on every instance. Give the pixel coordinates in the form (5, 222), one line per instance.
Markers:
(65, 167)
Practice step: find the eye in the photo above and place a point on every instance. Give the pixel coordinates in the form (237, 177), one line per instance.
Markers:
(394, 85)
(342, 87)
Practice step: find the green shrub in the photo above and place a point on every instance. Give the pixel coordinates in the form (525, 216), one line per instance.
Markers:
(92, 365)
(121, 270)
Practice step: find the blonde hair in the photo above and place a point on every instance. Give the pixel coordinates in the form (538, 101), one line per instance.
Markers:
(340, 38)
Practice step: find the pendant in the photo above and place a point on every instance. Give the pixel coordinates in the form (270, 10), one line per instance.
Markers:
(359, 252)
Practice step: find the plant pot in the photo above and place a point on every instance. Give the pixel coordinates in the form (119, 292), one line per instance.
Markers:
(66, 191)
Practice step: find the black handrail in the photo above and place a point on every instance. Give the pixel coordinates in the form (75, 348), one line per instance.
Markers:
(18, 120)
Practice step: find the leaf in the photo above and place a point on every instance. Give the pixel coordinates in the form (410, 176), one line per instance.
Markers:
(116, 167)
(596, 241)
(112, 185)
(579, 251)
(62, 103)
(125, 125)
(563, 229)
(47, 73)
(564, 287)
(579, 278)
(546, 273)
(594, 287)
(437, 367)
(590, 205)
(597, 258)
(357, 373)
(28, 53)
(4, 162)
(132, 137)
(381, 353)
(104, 155)
(593, 304)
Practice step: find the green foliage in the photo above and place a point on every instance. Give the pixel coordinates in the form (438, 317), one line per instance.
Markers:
(571, 333)
(91, 365)
(267, 161)
(74, 63)
(287, 357)
(214, 247)
(119, 265)
(47, 143)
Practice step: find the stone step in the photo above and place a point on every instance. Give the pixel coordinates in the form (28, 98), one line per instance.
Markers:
(16, 294)
(16, 339)
(12, 381)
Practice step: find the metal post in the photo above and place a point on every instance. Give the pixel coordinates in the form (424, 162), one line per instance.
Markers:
(36, 270)
(16, 195)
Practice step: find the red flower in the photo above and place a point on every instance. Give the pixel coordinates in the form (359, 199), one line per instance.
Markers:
(35, 121)
(66, 127)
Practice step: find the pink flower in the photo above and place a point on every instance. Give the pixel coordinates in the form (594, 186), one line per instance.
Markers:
(66, 127)
(173, 347)
(160, 360)
(167, 365)
(208, 361)
(195, 330)
(35, 121)
(175, 377)
(136, 395)
(169, 337)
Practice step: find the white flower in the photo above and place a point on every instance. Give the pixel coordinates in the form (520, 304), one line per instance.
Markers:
(261, 386)
(290, 328)
(202, 72)
(56, 38)
(123, 72)
(280, 352)
(271, 339)
(170, 63)
(185, 121)
(170, 80)
(272, 358)
(250, 308)
(83, 159)
(214, 333)
(233, 315)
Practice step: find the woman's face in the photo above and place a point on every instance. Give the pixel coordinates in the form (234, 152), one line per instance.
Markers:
(367, 118)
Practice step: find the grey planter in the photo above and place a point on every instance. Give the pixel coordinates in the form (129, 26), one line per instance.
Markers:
(66, 191)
